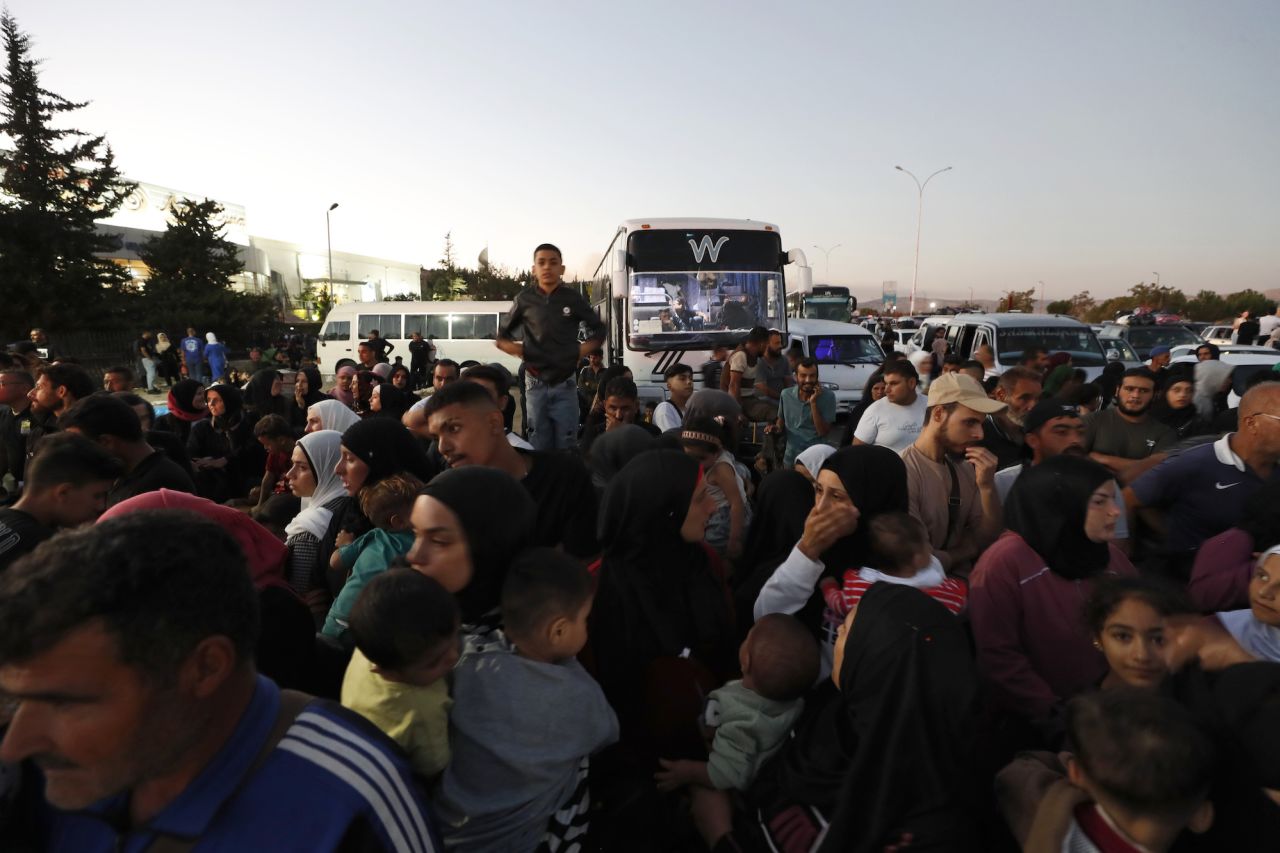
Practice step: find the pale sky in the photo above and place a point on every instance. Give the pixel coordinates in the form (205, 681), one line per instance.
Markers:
(1094, 142)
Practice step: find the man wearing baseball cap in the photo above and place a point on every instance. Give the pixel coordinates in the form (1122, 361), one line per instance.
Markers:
(1159, 360)
(950, 477)
(1053, 428)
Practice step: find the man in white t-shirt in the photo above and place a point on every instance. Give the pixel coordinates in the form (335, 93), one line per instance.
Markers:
(895, 420)
(670, 413)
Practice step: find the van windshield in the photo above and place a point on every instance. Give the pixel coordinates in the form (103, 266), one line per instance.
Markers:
(845, 349)
(1080, 342)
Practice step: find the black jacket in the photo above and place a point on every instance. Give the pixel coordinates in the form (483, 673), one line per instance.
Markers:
(550, 324)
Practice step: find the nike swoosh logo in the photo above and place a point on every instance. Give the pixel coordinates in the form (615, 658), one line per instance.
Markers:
(1227, 486)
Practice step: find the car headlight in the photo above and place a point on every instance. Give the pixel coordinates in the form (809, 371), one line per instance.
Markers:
(830, 386)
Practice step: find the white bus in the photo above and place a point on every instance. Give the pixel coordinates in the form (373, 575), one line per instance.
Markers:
(462, 331)
(668, 290)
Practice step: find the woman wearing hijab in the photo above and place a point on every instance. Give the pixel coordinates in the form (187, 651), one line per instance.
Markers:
(872, 391)
(1175, 404)
(1224, 565)
(855, 485)
(611, 452)
(263, 395)
(286, 639)
(328, 413)
(215, 353)
(343, 387)
(458, 543)
(186, 406)
(306, 393)
(1027, 590)
(783, 502)
(371, 450)
(1257, 629)
(366, 381)
(1212, 379)
(662, 616)
(885, 757)
(167, 359)
(313, 479)
(220, 446)
(809, 461)
(388, 401)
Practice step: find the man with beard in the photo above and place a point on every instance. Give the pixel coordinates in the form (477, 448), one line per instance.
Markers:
(58, 387)
(951, 477)
(774, 374)
(1019, 389)
(895, 419)
(1124, 437)
(1199, 492)
(1053, 428)
(806, 412)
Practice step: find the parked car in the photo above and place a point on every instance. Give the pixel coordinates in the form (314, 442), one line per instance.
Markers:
(1010, 335)
(847, 355)
(1144, 338)
(1216, 335)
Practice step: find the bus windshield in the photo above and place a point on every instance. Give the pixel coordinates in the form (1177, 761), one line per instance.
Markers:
(688, 309)
(1081, 343)
(827, 308)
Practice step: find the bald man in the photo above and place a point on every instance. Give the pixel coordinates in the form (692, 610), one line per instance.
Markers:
(1197, 493)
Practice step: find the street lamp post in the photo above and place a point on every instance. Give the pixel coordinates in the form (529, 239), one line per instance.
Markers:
(915, 278)
(1157, 275)
(328, 233)
(827, 254)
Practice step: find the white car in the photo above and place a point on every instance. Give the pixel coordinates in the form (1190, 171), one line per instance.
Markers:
(1245, 365)
(1181, 351)
(1217, 335)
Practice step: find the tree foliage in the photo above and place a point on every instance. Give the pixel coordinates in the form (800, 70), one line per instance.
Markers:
(191, 268)
(1018, 300)
(56, 182)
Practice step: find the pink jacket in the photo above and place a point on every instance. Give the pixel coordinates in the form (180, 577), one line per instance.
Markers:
(1034, 648)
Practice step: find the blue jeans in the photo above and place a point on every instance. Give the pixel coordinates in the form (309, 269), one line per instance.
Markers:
(553, 413)
(149, 368)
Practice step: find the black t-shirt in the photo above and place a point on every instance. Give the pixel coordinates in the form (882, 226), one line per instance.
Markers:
(157, 471)
(420, 352)
(560, 485)
(20, 533)
(144, 348)
(381, 346)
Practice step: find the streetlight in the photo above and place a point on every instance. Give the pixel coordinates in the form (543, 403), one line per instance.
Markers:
(328, 233)
(827, 253)
(919, 221)
(1157, 275)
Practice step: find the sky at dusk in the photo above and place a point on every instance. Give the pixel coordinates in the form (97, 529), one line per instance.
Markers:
(1093, 143)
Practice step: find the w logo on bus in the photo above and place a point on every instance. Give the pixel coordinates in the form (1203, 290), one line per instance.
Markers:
(705, 247)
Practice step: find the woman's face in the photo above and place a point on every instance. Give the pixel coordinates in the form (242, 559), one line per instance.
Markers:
(701, 505)
(1180, 394)
(375, 399)
(1264, 588)
(352, 471)
(829, 492)
(842, 637)
(344, 381)
(877, 390)
(302, 479)
(1132, 639)
(277, 385)
(198, 400)
(1102, 513)
(217, 408)
(314, 423)
(400, 379)
(440, 548)
(301, 385)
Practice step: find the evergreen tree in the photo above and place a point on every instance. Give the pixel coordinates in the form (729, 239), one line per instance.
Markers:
(191, 266)
(56, 182)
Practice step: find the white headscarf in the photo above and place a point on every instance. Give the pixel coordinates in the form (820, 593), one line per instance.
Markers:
(813, 457)
(334, 414)
(1211, 375)
(1257, 638)
(323, 449)
(211, 337)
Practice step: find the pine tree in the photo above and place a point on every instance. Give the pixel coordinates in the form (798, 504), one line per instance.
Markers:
(56, 182)
(191, 266)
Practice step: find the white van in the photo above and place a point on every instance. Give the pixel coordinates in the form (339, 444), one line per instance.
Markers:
(847, 355)
(462, 331)
(1009, 335)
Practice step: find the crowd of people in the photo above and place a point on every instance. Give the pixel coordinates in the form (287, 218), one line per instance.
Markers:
(987, 611)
